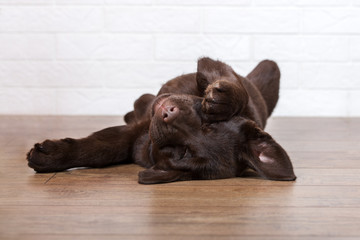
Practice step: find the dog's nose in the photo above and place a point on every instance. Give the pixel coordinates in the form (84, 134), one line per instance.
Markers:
(169, 113)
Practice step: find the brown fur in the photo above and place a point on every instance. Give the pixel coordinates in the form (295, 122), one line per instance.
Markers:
(203, 125)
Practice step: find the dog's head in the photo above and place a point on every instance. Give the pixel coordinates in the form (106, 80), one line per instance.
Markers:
(184, 147)
(175, 118)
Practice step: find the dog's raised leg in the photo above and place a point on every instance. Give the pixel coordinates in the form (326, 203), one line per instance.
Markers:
(266, 77)
(141, 109)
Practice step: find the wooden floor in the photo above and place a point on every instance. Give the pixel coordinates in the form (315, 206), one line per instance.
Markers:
(324, 202)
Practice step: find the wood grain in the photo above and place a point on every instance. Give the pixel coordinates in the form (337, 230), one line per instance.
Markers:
(108, 203)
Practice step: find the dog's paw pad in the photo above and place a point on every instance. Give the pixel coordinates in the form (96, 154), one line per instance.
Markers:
(217, 101)
(39, 147)
(224, 99)
(49, 156)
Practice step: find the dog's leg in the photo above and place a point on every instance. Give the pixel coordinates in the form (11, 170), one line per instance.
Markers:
(141, 109)
(266, 77)
(224, 99)
(106, 147)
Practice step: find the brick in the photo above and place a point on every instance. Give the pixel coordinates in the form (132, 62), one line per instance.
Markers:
(355, 48)
(49, 74)
(322, 2)
(27, 46)
(79, 2)
(312, 103)
(289, 75)
(75, 101)
(304, 48)
(25, 2)
(330, 75)
(274, 2)
(105, 46)
(128, 2)
(203, 2)
(251, 20)
(310, 3)
(97, 102)
(143, 75)
(49, 19)
(27, 101)
(152, 19)
(191, 47)
(354, 103)
(331, 20)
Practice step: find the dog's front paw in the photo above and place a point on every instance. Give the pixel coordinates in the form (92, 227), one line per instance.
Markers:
(51, 156)
(222, 100)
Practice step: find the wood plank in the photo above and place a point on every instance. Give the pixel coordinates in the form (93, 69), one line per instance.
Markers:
(163, 236)
(238, 221)
(127, 174)
(221, 193)
(107, 190)
(306, 177)
(328, 160)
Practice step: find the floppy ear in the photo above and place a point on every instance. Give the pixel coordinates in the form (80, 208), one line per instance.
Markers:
(152, 176)
(267, 157)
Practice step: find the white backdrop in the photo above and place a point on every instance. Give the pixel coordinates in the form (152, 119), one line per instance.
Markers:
(97, 56)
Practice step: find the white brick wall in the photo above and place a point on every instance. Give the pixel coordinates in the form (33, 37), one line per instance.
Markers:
(98, 56)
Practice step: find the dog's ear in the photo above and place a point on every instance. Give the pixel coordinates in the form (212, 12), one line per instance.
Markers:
(153, 176)
(209, 70)
(264, 155)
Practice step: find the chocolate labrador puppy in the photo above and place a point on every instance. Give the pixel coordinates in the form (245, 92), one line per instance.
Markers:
(203, 125)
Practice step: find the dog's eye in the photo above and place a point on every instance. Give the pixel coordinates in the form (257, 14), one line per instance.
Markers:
(219, 90)
(187, 153)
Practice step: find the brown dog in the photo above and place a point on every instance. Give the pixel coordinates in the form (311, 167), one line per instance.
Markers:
(204, 125)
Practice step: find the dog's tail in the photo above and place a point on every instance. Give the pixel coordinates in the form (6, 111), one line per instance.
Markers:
(266, 77)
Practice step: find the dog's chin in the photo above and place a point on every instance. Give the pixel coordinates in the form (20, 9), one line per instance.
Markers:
(165, 142)
(162, 134)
